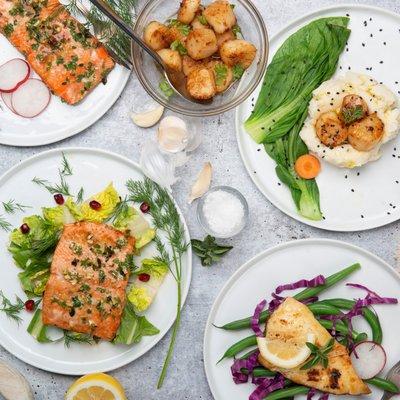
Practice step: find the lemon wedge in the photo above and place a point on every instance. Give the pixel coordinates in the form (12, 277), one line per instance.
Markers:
(96, 387)
(285, 354)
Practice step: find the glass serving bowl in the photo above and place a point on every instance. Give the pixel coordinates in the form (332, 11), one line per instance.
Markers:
(254, 31)
(203, 220)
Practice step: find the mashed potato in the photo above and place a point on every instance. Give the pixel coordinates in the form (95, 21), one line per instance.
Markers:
(329, 96)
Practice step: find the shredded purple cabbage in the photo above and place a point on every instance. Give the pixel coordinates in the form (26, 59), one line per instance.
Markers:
(303, 283)
(313, 392)
(266, 386)
(324, 396)
(249, 363)
(256, 318)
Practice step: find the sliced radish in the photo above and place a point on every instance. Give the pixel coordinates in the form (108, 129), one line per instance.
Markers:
(13, 74)
(6, 97)
(31, 98)
(369, 359)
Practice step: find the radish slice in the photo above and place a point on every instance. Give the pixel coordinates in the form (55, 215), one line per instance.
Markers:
(368, 359)
(6, 97)
(13, 74)
(31, 98)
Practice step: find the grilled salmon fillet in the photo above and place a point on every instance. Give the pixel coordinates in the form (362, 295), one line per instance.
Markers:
(89, 274)
(292, 320)
(69, 60)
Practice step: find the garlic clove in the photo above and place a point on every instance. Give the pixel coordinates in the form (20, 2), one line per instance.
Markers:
(172, 135)
(148, 118)
(202, 183)
(13, 386)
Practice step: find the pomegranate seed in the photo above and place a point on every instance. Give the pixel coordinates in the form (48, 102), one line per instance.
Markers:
(24, 228)
(95, 205)
(144, 277)
(29, 305)
(59, 199)
(144, 207)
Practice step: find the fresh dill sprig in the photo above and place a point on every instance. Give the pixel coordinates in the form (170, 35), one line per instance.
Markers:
(74, 337)
(12, 310)
(62, 187)
(4, 224)
(79, 196)
(122, 208)
(66, 169)
(167, 219)
(10, 206)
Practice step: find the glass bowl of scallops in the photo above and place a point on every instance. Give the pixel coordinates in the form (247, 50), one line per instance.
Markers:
(219, 47)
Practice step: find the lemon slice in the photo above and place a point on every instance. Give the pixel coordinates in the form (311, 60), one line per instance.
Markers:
(96, 387)
(285, 354)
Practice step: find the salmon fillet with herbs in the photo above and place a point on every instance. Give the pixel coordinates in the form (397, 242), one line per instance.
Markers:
(89, 274)
(69, 60)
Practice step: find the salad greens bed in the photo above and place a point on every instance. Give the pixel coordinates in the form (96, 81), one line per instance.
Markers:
(330, 314)
(32, 249)
(305, 60)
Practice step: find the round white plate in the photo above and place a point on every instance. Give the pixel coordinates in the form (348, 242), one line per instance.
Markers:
(351, 200)
(287, 263)
(93, 169)
(59, 120)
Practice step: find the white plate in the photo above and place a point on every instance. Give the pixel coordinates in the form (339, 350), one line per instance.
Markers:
(93, 169)
(376, 186)
(287, 263)
(59, 120)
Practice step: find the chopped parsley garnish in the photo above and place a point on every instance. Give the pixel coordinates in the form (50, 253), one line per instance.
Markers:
(72, 64)
(221, 72)
(236, 30)
(202, 19)
(352, 114)
(8, 29)
(182, 28)
(166, 88)
(238, 71)
(179, 47)
(18, 9)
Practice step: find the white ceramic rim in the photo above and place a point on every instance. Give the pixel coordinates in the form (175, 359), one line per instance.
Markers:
(293, 214)
(247, 265)
(76, 371)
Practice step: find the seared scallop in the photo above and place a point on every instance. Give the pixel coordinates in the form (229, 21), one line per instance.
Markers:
(224, 37)
(331, 130)
(189, 65)
(173, 34)
(220, 16)
(201, 84)
(187, 10)
(156, 36)
(201, 43)
(353, 109)
(364, 135)
(171, 58)
(237, 51)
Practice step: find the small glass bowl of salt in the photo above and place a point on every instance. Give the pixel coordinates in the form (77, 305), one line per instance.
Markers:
(223, 212)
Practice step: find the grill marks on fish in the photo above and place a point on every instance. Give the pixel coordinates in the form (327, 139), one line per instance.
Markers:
(89, 274)
(60, 49)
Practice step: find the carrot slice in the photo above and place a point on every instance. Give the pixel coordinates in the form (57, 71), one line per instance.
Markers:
(307, 166)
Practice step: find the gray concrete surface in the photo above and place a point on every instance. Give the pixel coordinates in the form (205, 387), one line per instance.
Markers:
(267, 227)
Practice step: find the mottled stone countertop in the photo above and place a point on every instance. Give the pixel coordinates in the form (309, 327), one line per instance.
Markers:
(267, 227)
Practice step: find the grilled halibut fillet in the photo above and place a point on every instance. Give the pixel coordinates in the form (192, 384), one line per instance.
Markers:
(61, 50)
(89, 275)
(293, 319)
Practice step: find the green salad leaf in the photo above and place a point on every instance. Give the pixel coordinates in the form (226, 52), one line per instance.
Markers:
(133, 327)
(305, 60)
(37, 329)
(34, 277)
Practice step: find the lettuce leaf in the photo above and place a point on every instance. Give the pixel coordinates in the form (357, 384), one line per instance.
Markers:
(58, 216)
(37, 329)
(133, 327)
(34, 278)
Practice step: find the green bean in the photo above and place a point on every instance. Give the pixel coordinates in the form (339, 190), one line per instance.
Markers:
(371, 318)
(261, 371)
(319, 308)
(289, 392)
(383, 384)
(248, 354)
(340, 327)
(304, 294)
(240, 346)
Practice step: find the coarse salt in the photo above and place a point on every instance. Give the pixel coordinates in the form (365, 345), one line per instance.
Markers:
(224, 212)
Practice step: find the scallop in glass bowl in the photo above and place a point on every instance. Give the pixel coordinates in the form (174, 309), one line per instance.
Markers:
(150, 76)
